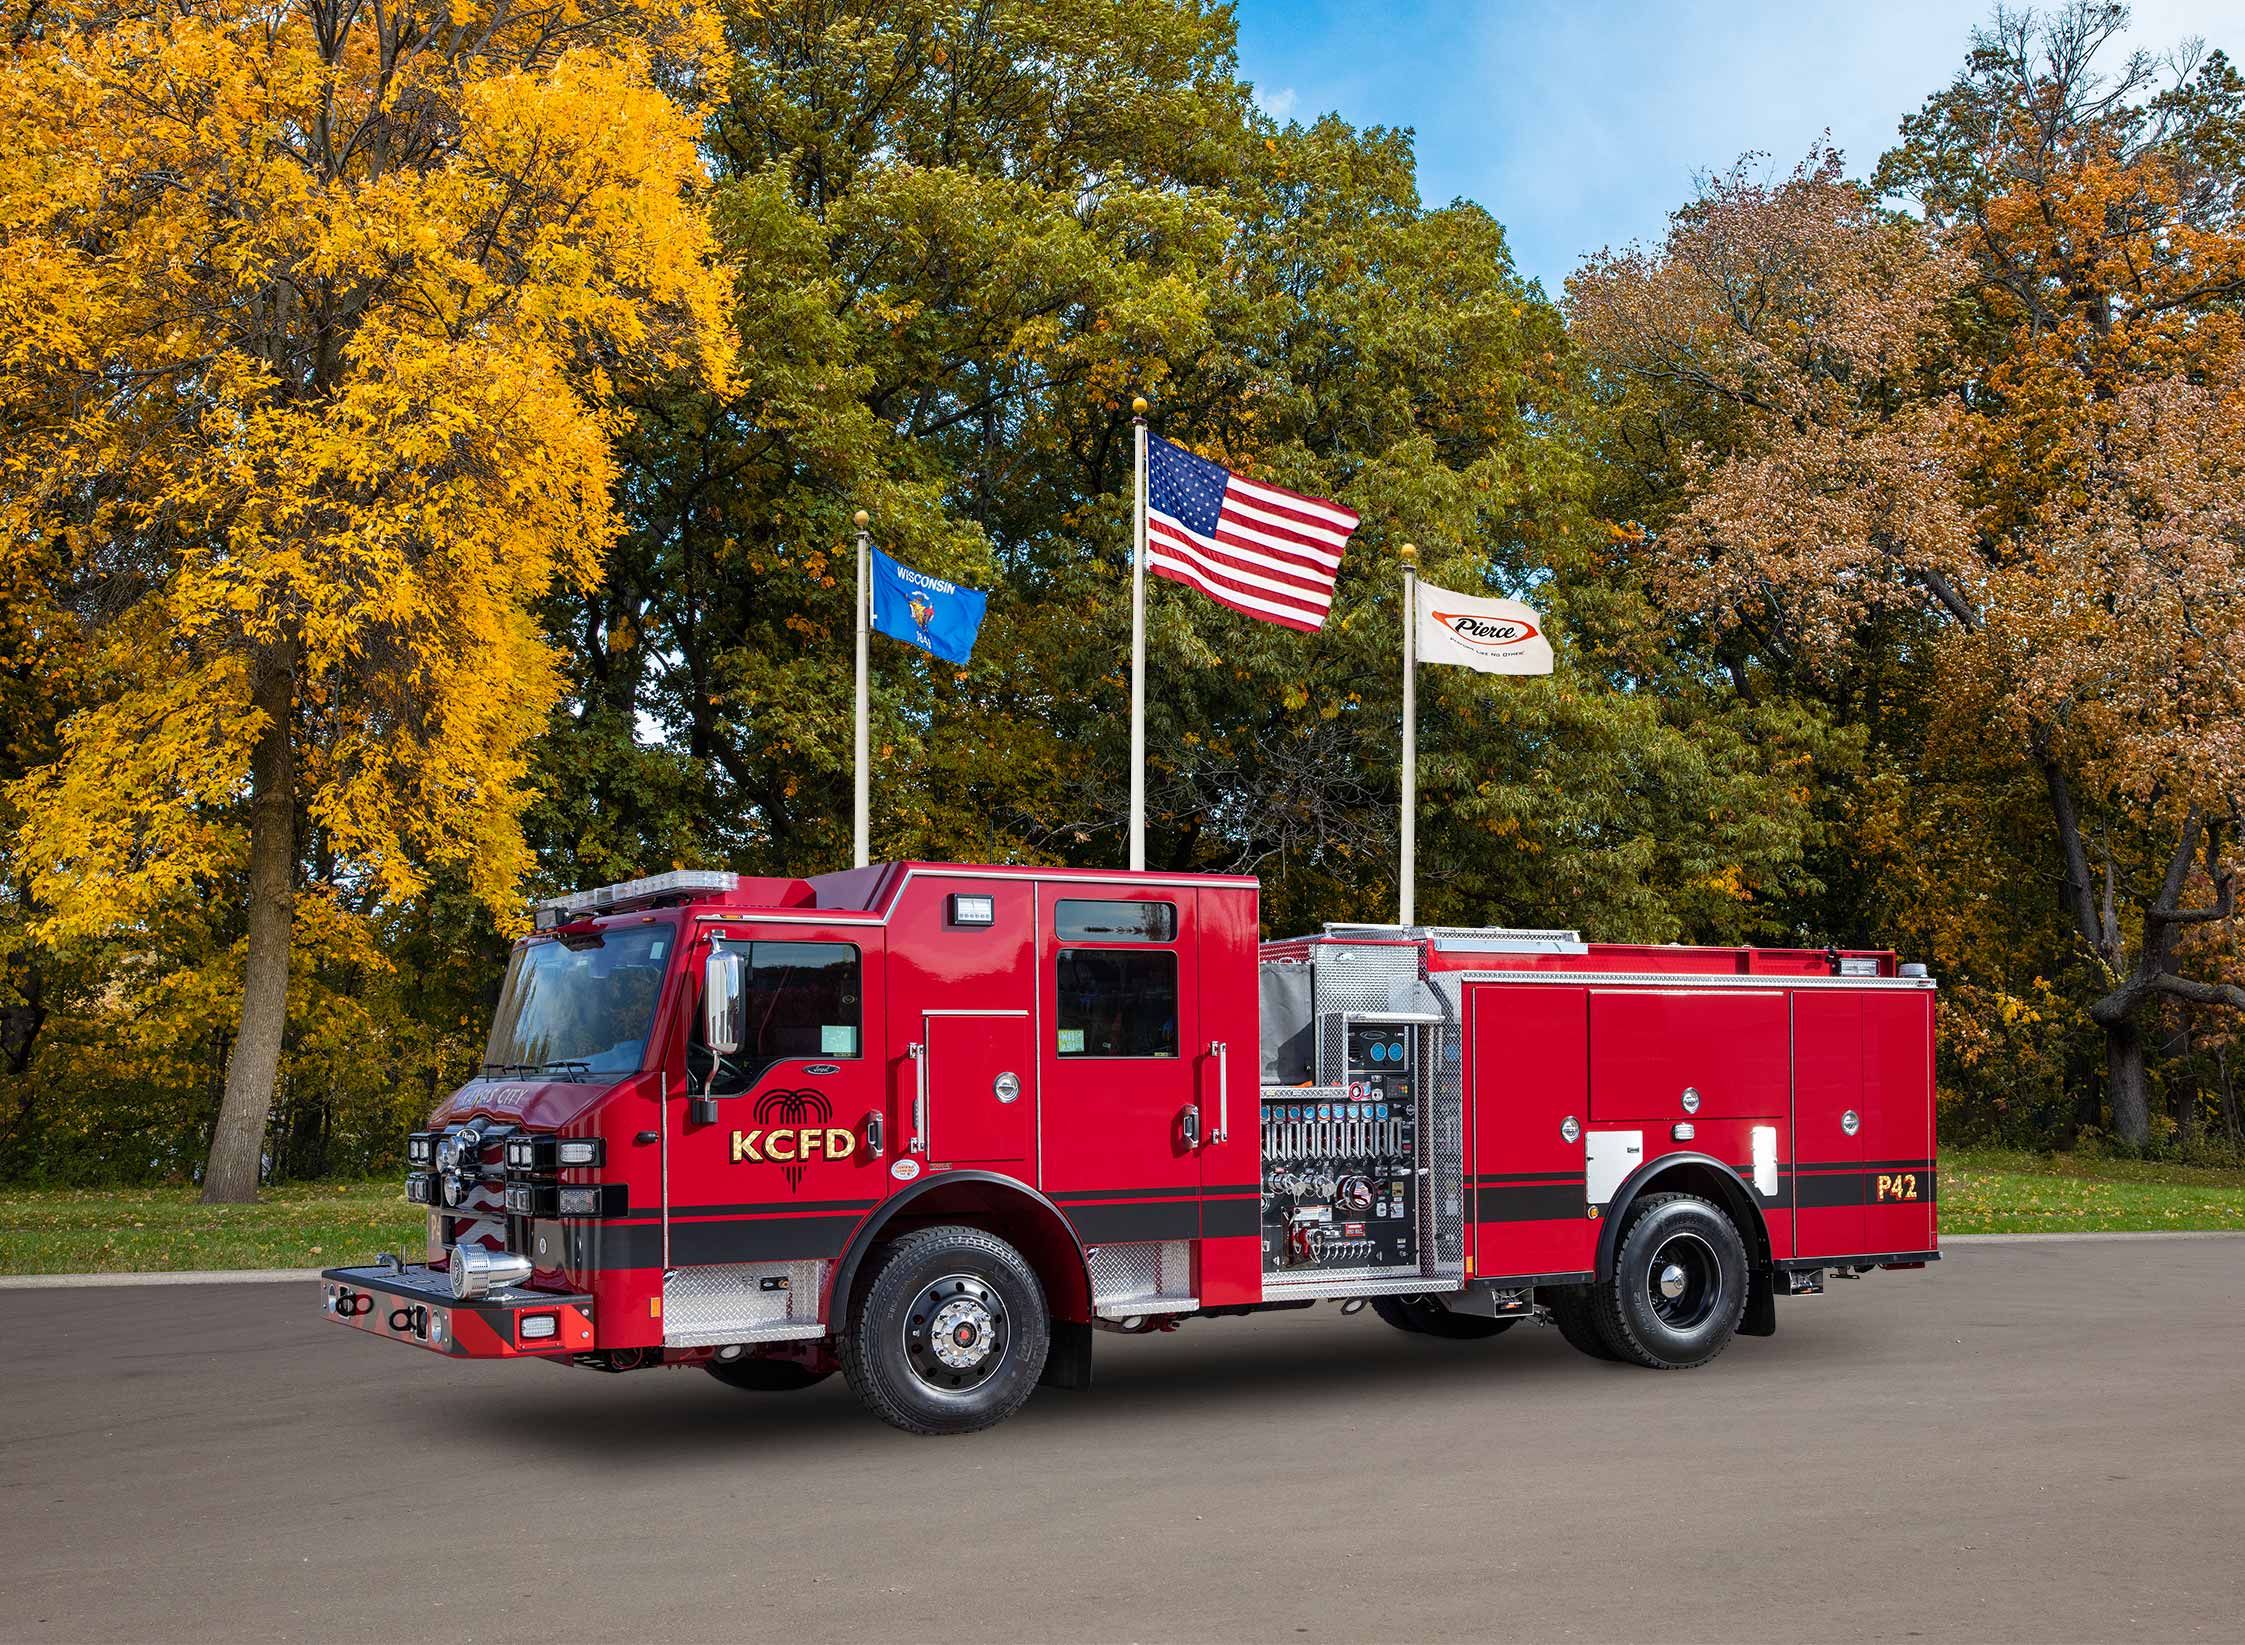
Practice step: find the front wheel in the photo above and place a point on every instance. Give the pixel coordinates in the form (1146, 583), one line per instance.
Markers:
(948, 1333)
(1424, 1315)
(1678, 1286)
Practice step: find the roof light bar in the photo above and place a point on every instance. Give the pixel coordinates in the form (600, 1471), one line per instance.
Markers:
(606, 899)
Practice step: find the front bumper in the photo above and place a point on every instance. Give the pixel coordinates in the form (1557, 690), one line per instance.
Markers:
(414, 1304)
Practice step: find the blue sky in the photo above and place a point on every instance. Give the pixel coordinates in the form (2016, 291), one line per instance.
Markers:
(1581, 126)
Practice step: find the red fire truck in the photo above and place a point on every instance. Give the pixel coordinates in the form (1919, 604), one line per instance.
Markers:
(934, 1126)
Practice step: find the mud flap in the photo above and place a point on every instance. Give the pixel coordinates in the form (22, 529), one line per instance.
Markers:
(1760, 1318)
(1068, 1361)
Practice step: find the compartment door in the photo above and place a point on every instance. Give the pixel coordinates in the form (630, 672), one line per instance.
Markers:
(1827, 1088)
(1527, 1074)
(1648, 1045)
(1897, 1132)
(980, 1073)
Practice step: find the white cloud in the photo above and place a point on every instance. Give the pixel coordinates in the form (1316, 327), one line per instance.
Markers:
(1279, 104)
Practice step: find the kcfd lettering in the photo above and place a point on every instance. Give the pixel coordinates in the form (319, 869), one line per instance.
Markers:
(793, 1144)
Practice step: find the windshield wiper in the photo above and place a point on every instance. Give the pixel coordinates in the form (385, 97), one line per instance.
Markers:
(569, 1065)
(508, 1070)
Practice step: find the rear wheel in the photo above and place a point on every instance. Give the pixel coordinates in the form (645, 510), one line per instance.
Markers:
(1428, 1317)
(1570, 1310)
(1678, 1287)
(948, 1334)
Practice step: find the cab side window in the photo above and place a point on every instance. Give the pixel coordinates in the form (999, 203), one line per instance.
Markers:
(804, 1004)
(1115, 1001)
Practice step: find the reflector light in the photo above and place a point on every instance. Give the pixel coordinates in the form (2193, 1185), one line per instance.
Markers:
(536, 1327)
(580, 1202)
(1858, 966)
(579, 1151)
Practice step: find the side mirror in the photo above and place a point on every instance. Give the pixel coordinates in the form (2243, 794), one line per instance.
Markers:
(724, 1001)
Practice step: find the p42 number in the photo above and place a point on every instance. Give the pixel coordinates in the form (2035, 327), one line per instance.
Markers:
(1899, 1185)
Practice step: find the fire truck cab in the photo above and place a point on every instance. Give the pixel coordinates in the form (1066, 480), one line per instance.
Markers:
(936, 1125)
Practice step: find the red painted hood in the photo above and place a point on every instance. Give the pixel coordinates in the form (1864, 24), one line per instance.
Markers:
(543, 1105)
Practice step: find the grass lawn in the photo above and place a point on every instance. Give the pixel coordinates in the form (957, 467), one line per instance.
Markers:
(1992, 1192)
(122, 1230)
(126, 1230)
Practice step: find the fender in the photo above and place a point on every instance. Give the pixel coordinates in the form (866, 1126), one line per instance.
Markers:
(869, 1231)
(1738, 1200)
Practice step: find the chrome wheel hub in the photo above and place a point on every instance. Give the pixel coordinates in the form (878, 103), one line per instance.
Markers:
(956, 1333)
(1672, 1280)
(960, 1334)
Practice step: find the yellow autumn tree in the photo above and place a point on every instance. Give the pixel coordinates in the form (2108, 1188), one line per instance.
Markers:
(314, 321)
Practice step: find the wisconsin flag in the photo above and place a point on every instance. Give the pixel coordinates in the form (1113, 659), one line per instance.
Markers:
(940, 618)
(1494, 636)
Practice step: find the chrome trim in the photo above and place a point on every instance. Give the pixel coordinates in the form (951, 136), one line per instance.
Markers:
(1223, 1091)
(1683, 980)
(869, 916)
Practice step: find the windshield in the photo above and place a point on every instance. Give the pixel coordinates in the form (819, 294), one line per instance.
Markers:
(583, 1006)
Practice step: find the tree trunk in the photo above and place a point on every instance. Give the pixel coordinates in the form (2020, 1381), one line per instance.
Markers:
(235, 1146)
(2124, 1082)
(2228, 1094)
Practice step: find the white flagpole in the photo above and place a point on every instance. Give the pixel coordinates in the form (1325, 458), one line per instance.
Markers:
(862, 833)
(1138, 647)
(1410, 558)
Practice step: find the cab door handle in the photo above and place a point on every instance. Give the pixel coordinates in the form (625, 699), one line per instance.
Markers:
(918, 1052)
(1189, 1123)
(876, 1133)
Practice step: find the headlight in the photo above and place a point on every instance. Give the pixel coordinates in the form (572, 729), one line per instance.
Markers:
(417, 1189)
(420, 1148)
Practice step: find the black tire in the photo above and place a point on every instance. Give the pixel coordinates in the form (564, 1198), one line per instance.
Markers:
(948, 1332)
(765, 1376)
(1570, 1310)
(1678, 1286)
(1427, 1317)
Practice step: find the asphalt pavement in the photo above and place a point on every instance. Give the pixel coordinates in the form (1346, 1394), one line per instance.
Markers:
(2038, 1441)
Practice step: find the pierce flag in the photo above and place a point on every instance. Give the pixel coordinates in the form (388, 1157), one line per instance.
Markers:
(1494, 636)
(939, 617)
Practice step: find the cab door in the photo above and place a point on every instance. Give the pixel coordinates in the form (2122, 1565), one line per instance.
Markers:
(771, 1147)
(1121, 1059)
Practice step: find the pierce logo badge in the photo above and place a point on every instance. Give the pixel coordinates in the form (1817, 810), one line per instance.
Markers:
(1485, 633)
(793, 1129)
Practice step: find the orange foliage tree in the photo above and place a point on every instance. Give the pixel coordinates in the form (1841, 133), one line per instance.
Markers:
(313, 323)
(2005, 441)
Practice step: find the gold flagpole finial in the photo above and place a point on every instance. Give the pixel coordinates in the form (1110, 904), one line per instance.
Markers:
(1138, 405)
(1408, 553)
(862, 519)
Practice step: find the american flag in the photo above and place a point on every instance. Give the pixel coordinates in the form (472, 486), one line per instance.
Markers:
(1257, 548)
